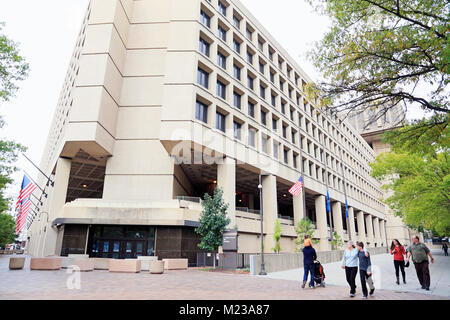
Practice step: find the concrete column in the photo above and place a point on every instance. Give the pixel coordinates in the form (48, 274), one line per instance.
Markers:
(297, 202)
(383, 232)
(336, 210)
(270, 209)
(369, 224)
(226, 180)
(351, 222)
(58, 200)
(321, 216)
(376, 224)
(361, 228)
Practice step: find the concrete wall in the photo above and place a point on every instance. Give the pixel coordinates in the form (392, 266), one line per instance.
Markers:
(288, 261)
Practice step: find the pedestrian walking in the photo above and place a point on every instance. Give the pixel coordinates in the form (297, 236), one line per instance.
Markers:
(309, 255)
(350, 264)
(445, 248)
(365, 270)
(399, 253)
(420, 253)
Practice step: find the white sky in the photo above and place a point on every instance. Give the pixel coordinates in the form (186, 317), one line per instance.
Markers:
(47, 30)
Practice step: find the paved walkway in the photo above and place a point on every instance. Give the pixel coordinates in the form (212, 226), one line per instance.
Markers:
(384, 275)
(172, 285)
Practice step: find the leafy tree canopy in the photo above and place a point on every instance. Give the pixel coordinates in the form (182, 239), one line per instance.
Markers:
(382, 53)
(7, 229)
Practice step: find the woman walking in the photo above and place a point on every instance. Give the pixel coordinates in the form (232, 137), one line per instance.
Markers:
(309, 255)
(365, 273)
(399, 252)
(350, 264)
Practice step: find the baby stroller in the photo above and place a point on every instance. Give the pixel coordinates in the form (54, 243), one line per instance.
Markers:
(319, 275)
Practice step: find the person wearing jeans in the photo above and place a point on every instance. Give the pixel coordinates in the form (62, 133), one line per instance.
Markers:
(365, 273)
(350, 264)
(309, 255)
(420, 253)
(398, 251)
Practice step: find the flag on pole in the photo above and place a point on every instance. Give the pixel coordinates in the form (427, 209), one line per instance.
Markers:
(26, 190)
(297, 188)
(346, 209)
(21, 218)
(328, 202)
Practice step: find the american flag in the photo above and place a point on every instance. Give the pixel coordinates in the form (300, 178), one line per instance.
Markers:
(23, 202)
(297, 188)
(26, 190)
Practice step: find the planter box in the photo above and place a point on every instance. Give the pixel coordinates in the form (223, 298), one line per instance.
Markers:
(145, 262)
(45, 263)
(156, 267)
(175, 264)
(78, 256)
(16, 263)
(125, 266)
(101, 263)
(84, 264)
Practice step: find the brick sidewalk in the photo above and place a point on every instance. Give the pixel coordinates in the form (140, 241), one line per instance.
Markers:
(174, 285)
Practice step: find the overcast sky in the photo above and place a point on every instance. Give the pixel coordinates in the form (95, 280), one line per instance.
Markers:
(47, 30)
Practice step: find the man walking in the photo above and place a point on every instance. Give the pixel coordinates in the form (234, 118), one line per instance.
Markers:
(445, 248)
(419, 253)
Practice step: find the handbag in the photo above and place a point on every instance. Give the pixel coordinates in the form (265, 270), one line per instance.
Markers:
(407, 264)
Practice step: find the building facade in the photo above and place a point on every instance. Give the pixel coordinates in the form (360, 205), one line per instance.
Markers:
(166, 100)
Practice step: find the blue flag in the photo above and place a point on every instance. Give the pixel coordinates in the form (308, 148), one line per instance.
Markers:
(328, 202)
(346, 208)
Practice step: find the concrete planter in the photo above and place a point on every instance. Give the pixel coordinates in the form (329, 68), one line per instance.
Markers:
(84, 264)
(45, 263)
(16, 263)
(156, 267)
(145, 262)
(175, 264)
(125, 266)
(101, 263)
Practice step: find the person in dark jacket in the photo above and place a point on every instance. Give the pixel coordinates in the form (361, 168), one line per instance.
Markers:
(445, 248)
(365, 273)
(309, 255)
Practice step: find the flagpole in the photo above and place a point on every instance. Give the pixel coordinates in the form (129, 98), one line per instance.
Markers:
(345, 191)
(48, 178)
(302, 175)
(34, 182)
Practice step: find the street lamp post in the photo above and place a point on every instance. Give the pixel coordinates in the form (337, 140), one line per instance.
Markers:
(263, 271)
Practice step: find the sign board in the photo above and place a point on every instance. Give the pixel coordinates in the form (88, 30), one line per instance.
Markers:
(230, 241)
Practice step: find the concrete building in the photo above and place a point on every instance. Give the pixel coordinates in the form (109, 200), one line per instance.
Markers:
(164, 101)
(372, 129)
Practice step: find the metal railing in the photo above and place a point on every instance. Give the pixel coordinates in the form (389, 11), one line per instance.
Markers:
(245, 209)
(190, 199)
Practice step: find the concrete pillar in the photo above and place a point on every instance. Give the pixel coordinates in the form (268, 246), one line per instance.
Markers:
(361, 228)
(383, 232)
(297, 202)
(270, 209)
(336, 210)
(226, 180)
(369, 224)
(376, 225)
(58, 200)
(351, 222)
(321, 217)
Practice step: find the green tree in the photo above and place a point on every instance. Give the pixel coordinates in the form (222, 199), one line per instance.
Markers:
(382, 53)
(337, 242)
(213, 222)
(277, 236)
(304, 227)
(417, 172)
(7, 229)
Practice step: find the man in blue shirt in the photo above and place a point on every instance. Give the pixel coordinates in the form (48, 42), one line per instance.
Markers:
(365, 269)
(309, 255)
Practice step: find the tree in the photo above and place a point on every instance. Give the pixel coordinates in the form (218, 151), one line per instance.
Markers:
(277, 236)
(13, 67)
(337, 242)
(7, 229)
(213, 222)
(380, 54)
(304, 227)
(417, 172)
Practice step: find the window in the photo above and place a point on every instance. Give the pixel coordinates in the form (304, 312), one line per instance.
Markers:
(252, 137)
(270, 55)
(236, 22)
(273, 100)
(261, 67)
(261, 45)
(294, 161)
(236, 46)
(222, 8)
(249, 34)
(251, 109)
(264, 144)
(274, 124)
(264, 118)
(250, 82)
(291, 114)
(221, 60)
(237, 130)
(237, 72)
(283, 107)
(275, 149)
(272, 76)
(204, 47)
(262, 92)
(285, 156)
(293, 137)
(202, 78)
(201, 112)
(249, 57)
(222, 33)
(220, 121)
(221, 89)
(237, 100)
(205, 19)
(281, 85)
(284, 132)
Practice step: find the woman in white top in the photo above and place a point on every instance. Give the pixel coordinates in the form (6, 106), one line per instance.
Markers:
(350, 264)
